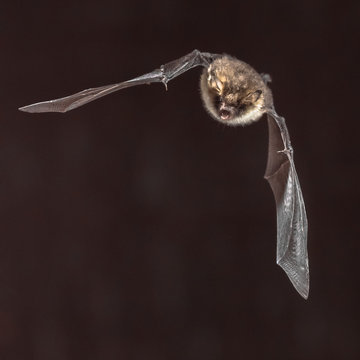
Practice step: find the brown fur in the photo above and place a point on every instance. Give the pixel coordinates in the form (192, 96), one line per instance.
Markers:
(236, 85)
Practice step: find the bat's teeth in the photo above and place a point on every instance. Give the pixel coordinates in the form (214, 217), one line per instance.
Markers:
(225, 114)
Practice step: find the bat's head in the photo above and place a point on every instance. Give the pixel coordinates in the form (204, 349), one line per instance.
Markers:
(233, 92)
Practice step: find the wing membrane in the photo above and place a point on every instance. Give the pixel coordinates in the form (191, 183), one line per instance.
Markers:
(292, 224)
(164, 74)
(83, 97)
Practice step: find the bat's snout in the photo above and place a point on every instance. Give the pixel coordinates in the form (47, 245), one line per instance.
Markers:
(226, 112)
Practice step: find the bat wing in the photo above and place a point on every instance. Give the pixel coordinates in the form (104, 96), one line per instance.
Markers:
(292, 225)
(164, 74)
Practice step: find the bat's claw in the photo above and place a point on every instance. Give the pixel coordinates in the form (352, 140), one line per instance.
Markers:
(286, 151)
(164, 78)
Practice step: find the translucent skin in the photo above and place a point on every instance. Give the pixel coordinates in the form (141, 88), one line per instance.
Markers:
(233, 93)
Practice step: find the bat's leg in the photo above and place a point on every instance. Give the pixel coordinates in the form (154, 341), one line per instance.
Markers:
(266, 78)
(185, 63)
(288, 150)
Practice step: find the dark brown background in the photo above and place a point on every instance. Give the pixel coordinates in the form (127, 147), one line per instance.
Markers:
(137, 227)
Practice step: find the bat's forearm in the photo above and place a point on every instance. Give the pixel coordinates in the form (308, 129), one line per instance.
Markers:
(177, 67)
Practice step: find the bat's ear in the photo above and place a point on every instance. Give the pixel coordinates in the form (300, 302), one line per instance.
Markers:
(253, 97)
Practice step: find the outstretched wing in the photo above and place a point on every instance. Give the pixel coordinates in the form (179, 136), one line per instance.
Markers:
(280, 172)
(292, 225)
(164, 74)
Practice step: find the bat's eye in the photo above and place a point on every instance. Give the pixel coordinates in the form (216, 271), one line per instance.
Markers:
(217, 101)
(241, 107)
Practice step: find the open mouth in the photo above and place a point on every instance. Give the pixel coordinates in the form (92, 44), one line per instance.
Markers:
(225, 114)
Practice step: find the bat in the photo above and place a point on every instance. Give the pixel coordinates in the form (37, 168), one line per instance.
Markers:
(234, 94)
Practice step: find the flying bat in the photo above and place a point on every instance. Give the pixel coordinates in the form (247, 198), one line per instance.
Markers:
(234, 94)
